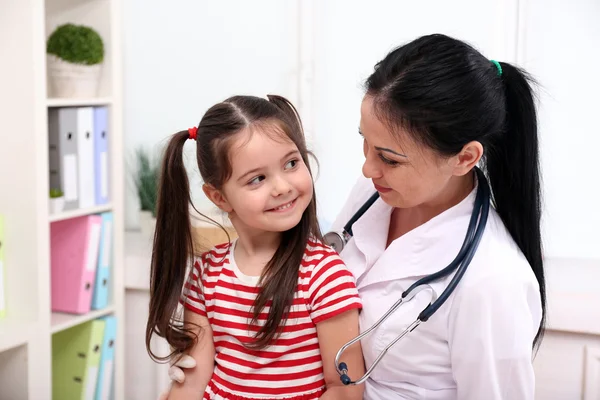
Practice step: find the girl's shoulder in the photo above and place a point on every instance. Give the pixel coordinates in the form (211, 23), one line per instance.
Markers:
(316, 248)
(319, 256)
(214, 257)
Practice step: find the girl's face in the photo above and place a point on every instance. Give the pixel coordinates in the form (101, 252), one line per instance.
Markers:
(270, 186)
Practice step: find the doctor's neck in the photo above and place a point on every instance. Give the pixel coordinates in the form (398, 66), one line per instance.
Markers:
(454, 192)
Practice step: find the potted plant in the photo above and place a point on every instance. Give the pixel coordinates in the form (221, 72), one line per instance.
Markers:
(57, 201)
(74, 54)
(146, 182)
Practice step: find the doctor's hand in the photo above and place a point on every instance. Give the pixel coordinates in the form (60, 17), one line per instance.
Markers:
(176, 373)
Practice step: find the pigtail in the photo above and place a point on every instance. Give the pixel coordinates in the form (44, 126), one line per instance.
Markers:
(293, 117)
(172, 250)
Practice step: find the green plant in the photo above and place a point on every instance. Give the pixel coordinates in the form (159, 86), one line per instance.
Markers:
(146, 181)
(55, 193)
(76, 44)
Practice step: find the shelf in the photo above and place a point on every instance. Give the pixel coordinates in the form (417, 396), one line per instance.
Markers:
(13, 333)
(61, 321)
(80, 213)
(58, 102)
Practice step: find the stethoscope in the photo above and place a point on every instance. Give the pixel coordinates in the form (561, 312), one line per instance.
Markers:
(338, 240)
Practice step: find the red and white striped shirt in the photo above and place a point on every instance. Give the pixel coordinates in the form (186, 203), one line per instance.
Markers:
(290, 367)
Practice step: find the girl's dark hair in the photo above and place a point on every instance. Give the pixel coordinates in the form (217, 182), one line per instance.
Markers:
(446, 94)
(173, 245)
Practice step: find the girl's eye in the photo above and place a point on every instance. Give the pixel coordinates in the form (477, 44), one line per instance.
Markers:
(291, 164)
(256, 180)
(388, 161)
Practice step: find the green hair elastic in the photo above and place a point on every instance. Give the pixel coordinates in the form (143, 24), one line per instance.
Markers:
(497, 64)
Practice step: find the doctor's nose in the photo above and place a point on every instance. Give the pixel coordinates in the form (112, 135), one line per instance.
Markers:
(370, 168)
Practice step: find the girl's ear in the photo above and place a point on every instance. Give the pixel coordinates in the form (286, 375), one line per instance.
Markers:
(217, 197)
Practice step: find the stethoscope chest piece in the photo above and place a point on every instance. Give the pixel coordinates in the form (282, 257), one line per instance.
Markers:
(337, 240)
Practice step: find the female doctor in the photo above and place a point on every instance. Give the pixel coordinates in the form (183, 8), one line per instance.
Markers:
(433, 110)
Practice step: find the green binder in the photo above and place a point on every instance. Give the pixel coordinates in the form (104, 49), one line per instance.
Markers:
(2, 273)
(75, 361)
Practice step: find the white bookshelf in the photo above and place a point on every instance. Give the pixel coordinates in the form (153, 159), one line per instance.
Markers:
(79, 213)
(61, 321)
(102, 101)
(27, 329)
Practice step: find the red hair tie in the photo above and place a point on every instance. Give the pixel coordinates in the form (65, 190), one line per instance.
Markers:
(193, 131)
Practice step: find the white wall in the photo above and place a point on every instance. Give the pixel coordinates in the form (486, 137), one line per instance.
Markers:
(183, 56)
(562, 50)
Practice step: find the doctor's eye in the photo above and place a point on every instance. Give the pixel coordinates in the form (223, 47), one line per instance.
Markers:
(388, 161)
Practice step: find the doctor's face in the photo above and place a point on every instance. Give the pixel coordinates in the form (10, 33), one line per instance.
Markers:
(405, 173)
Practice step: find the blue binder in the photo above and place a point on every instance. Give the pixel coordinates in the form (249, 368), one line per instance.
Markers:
(106, 370)
(101, 166)
(103, 274)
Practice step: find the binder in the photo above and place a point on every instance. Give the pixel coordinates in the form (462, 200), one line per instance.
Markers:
(2, 279)
(62, 140)
(74, 245)
(101, 138)
(76, 354)
(106, 371)
(103, 272)
(85, 151)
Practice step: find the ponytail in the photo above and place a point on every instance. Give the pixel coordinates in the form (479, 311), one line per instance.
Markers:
(513, 168)
(171, 252)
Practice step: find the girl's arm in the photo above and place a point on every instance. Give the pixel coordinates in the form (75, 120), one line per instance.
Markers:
(203, 352)
(333, 333)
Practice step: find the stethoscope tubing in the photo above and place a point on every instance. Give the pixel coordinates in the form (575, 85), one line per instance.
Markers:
(460, 264)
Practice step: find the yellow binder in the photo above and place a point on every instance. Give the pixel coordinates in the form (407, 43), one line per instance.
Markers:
(75, 361)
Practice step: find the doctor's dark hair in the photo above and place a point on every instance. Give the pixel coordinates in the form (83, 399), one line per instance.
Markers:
(173, 244)
(445, 93)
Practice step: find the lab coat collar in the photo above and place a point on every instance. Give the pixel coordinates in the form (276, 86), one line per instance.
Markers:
(420, 252)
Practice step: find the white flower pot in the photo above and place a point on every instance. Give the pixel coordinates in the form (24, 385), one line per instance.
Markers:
(68, 80)
(147, 223)
(57, 205)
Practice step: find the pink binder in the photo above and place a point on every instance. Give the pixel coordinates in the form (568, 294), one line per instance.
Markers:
(74, 247)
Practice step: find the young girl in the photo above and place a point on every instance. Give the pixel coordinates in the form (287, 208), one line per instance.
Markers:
(265, 315)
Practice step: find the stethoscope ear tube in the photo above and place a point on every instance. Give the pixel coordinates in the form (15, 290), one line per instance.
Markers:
(360, 212)
(471, 232)
(485, 208)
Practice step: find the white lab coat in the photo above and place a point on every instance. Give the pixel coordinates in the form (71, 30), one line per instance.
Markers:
(478, 345)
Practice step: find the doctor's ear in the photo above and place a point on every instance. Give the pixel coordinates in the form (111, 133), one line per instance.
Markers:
(467, 158)
(217, 197)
